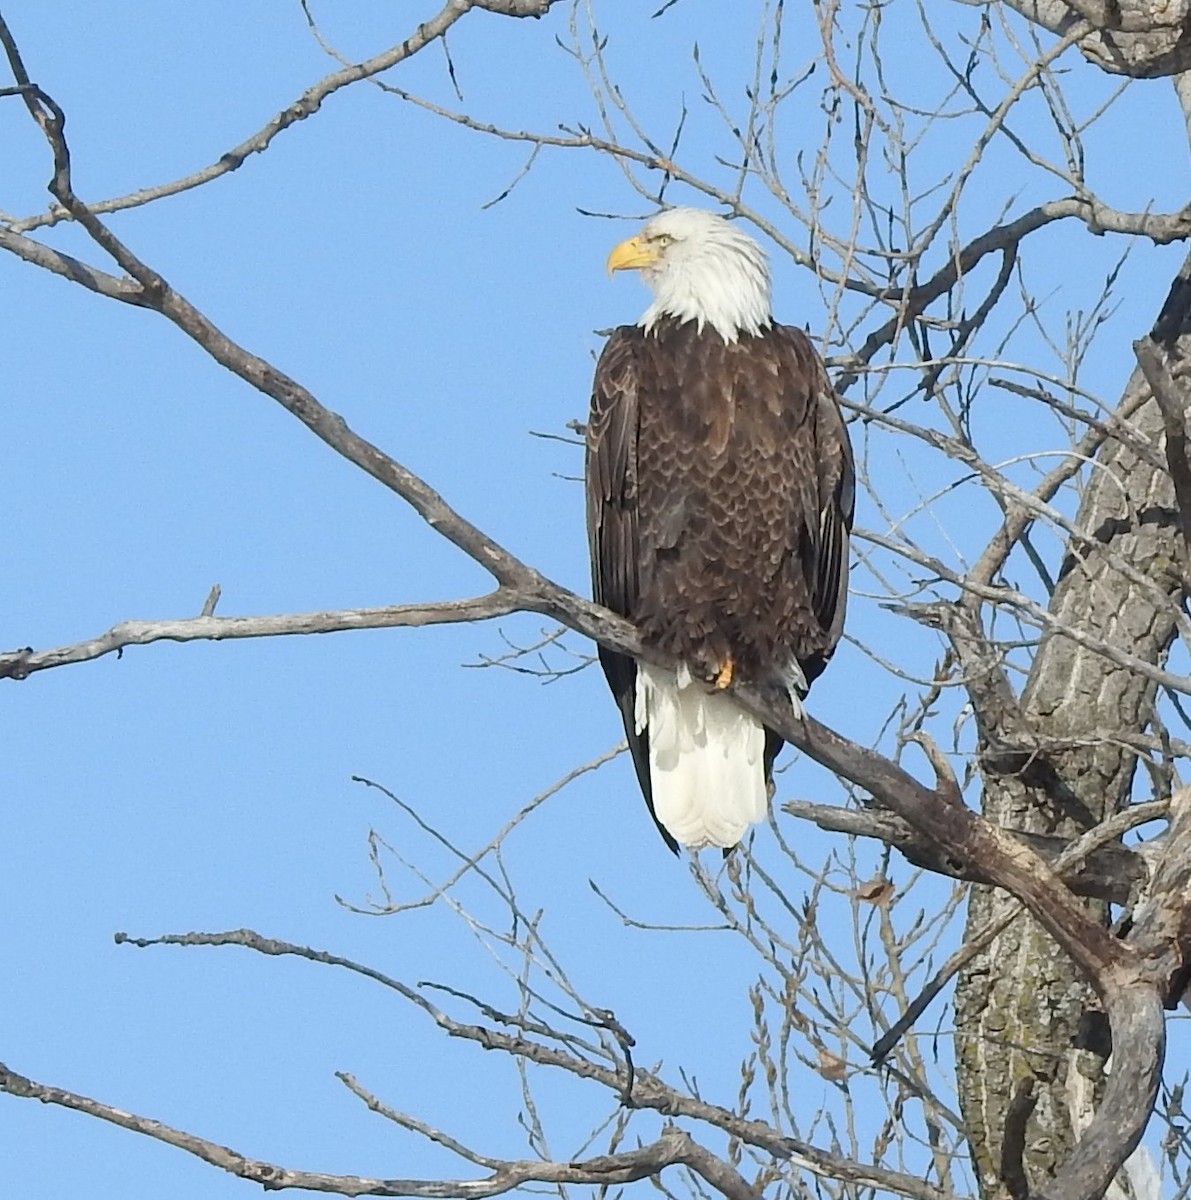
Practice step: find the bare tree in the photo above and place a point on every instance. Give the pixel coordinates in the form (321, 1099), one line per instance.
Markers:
(1024, 532)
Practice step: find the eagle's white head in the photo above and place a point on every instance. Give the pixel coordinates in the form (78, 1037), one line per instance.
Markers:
(701, 268)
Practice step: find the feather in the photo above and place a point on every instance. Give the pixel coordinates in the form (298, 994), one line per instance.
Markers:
(705, 759)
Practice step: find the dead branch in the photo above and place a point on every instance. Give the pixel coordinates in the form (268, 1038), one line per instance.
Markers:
(20, 664)
(516, 8)
(649, 1091)
(1108, 872)
(470, 861)
(1160, 228)
(306, 105)
(673, 1148)
(57, 263)
(1030, 612)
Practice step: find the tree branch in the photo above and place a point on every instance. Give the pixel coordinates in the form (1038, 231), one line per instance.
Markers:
(20, 664)
(103, 284)
(306, 105)
(1068, 863)
(1161, 228)
(516, 8)
(1108, 872)
(648, 1090)
(673, 1148)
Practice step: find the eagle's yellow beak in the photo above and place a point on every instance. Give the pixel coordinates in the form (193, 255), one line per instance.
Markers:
(632, 254)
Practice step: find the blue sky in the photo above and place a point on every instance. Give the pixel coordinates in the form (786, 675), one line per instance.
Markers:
(208, 787)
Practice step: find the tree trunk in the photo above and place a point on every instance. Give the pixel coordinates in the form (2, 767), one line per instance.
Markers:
(1025, 1019)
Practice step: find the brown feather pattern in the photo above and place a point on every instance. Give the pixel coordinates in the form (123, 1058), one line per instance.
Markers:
(720, 493)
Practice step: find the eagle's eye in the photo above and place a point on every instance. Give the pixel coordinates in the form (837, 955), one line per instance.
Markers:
(662, 240)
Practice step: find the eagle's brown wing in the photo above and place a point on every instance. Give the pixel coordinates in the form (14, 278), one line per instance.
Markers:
(613, 526)
(838, 498)
(612, 476)
(831, 453)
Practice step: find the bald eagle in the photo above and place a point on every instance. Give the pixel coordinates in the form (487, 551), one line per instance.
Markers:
(720, 492)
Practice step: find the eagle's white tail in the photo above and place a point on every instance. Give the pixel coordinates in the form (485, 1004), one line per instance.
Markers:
(706, 759)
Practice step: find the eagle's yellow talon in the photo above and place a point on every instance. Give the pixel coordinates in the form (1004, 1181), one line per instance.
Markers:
(724, 678)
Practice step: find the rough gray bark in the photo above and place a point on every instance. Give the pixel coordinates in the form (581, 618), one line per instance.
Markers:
(1025, 1016)
(1127, 37)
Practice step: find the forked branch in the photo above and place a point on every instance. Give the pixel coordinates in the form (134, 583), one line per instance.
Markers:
(673, 1148)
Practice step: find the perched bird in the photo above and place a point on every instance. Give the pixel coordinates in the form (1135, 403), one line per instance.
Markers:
(720, 490)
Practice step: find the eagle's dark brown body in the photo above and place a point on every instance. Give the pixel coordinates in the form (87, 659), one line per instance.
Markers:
(719, 501)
